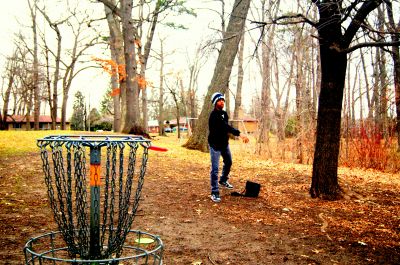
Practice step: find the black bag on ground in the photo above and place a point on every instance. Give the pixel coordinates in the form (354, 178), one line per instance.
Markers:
(252, 190)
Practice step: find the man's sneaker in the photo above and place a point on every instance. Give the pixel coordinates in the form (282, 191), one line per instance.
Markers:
(226, 184)
(215, 197)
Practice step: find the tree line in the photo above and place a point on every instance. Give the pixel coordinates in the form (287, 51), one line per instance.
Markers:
(327, 67)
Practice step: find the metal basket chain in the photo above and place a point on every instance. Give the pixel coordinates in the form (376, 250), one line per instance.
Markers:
(80, 198)
(123, 216)
(48, 181)
(140, 181)
(131, 174)
(61, 189)
(111, 232)
(71, 226)
(106, 195)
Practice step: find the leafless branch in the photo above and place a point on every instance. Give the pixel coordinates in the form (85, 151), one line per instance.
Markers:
(370, 44)
(287, 20)
(113, 7)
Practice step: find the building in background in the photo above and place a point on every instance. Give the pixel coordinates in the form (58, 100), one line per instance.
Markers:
(18, 122)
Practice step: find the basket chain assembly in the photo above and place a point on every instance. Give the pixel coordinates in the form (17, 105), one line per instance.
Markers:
(76, 212)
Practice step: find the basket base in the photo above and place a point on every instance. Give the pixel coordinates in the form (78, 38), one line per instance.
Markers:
(50, 248)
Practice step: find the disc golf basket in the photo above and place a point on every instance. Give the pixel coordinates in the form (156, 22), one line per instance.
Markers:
(94, 214)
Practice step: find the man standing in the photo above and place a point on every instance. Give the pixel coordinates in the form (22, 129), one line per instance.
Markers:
(218, 140)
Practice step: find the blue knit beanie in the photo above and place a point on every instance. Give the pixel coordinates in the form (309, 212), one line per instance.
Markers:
(216, 96)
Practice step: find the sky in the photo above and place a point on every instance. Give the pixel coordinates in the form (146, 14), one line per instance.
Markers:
(14, 16)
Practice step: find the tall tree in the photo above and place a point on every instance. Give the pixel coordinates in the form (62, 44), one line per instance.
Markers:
(337, 26)
(118, 78)
(238, 95)
(266, 63)
(334, 45)
(222, 72)
(78, 118)
(394, 29)
(10, 75)
(53, 96)
(36, 88)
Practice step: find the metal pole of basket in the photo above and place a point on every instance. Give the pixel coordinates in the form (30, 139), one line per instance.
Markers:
(95, 163)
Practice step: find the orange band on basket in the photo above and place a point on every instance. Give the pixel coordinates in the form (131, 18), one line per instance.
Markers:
(94, 175)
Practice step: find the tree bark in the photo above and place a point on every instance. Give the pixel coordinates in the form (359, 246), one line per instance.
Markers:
(396, 68)
(132, 101)
(222, 71)
(333, 72)
(238, 98)
(324, 176)
(3, 124)
(36, 88)
(161, 131)
(144, 56)
(117, 55)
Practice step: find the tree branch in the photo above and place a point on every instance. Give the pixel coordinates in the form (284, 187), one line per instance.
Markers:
(370, 44)
(112, 6)
(358, 20)
(287, 20)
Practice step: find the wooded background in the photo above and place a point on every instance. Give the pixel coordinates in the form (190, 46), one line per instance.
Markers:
(322, 78)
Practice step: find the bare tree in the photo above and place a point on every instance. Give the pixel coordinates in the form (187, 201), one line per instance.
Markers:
(53, 96)
(222, 71)
(395, 53)
(118, 78)
(240, 73)
(173, 90)
(337, 26)
(10, 75)
(36, 88)
(161, 57)
(266, 42)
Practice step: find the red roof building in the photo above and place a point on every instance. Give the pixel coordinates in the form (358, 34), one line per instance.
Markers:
(18, 122)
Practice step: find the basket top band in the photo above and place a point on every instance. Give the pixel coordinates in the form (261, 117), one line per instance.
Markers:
(93, 140)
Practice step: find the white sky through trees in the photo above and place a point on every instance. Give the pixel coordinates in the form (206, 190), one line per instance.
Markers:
(15, 17)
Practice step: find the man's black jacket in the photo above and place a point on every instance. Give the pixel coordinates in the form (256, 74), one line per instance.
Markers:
(219, 129)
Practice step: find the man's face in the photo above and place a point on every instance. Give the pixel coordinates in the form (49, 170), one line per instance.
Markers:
(220, 104)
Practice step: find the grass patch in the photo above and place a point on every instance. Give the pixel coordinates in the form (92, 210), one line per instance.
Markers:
(21, 142)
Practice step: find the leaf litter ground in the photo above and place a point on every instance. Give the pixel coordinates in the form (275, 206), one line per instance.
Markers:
(283, 226)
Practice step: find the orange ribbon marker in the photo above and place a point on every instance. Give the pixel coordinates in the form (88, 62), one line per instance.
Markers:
(95, 175)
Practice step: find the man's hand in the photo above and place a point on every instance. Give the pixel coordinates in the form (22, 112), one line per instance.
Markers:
(244, 138)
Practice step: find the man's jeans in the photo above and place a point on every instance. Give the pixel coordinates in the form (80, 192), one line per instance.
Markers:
(227, 159)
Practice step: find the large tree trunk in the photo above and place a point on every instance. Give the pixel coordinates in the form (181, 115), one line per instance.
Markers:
(222, 72)
(117, 55)
(324, 177)
(3, 124)
(36, 88)
(238, 98)
(396, 69)
(132, 124)
(333, 72)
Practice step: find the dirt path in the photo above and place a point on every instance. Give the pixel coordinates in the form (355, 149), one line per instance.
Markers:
(282, 226)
